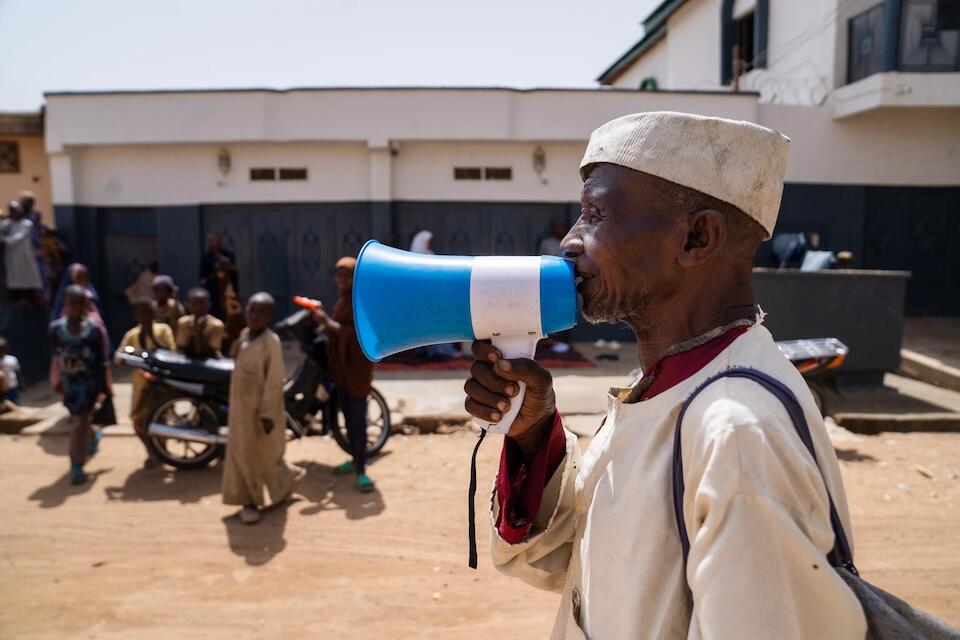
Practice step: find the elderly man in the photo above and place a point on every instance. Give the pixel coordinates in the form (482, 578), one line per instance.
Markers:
(674, 207)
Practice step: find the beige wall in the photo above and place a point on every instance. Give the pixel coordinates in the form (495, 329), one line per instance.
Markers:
(189, 174)
(424, 171)
(884, 147)
(34, 175)
(800, 56)
(693, 46)
(802, 40)
(652, 63)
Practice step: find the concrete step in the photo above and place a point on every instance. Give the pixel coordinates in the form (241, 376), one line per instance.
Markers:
(929, 369)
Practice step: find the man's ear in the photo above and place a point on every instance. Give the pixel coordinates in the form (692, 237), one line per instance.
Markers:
(706, 233)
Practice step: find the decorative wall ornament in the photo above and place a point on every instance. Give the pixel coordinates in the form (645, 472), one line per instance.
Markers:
(223, 161)
(540, 163)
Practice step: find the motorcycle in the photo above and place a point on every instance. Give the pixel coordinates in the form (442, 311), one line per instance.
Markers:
(187, 424)
(815, 359)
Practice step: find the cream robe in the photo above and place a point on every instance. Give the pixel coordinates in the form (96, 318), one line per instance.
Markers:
(254, 460)
(755, 505)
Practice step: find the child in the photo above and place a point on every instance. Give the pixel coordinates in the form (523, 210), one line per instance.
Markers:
(257, 438)
(166, 308)
(146, 336)
(78, 374)
(12, 378)
(199, 335)
(351, 370)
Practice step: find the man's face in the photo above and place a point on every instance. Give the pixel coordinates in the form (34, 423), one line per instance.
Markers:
(199, 305)
(27, 204)
(143, 314)
(161, 293)
(258, 316)
(343, 280)
(214, 241)
(624, 244)
(75, 307)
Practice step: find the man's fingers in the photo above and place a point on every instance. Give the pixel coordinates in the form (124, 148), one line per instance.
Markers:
(482, 411)
(484, 351)
(487, 376)
(524, 370)
(483, 395)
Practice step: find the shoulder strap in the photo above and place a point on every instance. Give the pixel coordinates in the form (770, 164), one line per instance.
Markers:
(840, 555)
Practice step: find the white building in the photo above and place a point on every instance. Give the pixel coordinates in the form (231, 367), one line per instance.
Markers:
(869, 91)
(295, 179)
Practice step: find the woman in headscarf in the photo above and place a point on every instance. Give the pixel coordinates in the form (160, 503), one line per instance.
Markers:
(78, 273)
(351, 371)
(422, 242)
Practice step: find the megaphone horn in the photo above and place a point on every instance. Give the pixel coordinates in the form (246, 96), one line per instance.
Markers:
(404, 300)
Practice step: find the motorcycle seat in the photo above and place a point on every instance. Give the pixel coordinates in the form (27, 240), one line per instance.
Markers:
(210, 370)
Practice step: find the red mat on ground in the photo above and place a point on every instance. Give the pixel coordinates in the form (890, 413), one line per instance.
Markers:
(407, 361)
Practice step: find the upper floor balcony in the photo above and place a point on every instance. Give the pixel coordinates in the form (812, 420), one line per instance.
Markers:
(902, 53)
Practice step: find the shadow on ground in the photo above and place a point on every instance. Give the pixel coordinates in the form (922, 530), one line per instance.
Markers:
(259, 543)
(853, 455)
(54, 495)
(327, 492)
(158, 483)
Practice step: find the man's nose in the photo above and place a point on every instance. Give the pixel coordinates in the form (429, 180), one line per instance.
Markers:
(572, 245)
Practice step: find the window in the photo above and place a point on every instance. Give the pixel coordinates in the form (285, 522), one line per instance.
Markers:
(287, 173)
(263, 173)
(930, 35)
(466, 173)
(498, 173)
(9, 156)
(865, 53)
(744, 43)
(743, 38)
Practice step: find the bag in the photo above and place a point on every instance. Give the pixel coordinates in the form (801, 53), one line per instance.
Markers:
(105, 415)
(888, 617)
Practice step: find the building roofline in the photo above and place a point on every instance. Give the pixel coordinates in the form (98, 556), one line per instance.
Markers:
(22, 123)
(604, 89)
(660, 14)
(645, 43)
(654, 29)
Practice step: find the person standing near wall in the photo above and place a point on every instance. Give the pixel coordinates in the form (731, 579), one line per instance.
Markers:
(16, 233)
(351, 371)
(27, 202)
(217, 260)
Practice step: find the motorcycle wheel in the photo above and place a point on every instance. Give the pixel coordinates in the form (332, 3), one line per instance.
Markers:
(378, 425)
(190, 412)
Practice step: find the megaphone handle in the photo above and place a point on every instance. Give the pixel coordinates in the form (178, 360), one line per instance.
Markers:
(512, 347)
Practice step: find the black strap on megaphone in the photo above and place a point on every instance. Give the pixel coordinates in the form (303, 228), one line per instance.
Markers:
(471, 503)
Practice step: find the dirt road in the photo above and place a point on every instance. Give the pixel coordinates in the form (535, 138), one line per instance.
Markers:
(153, 554)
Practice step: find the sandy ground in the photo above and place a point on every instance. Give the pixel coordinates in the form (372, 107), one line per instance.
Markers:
(153, 554)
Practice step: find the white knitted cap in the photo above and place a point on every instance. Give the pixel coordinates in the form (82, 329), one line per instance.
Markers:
(738, 162)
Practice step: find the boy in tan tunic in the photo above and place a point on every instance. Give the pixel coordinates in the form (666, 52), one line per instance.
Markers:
(199, 335)
(256, 444)
(146, 336)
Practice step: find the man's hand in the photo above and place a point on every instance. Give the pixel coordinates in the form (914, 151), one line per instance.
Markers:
(320, 316)
(267, 425)
(493, 387)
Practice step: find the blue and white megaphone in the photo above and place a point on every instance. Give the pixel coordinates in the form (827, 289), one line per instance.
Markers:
(403, 300)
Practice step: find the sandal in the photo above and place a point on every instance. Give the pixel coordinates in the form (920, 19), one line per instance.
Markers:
(344, 469)
(94, 444)
(365, 484)
(249, 515)
(77, 475)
